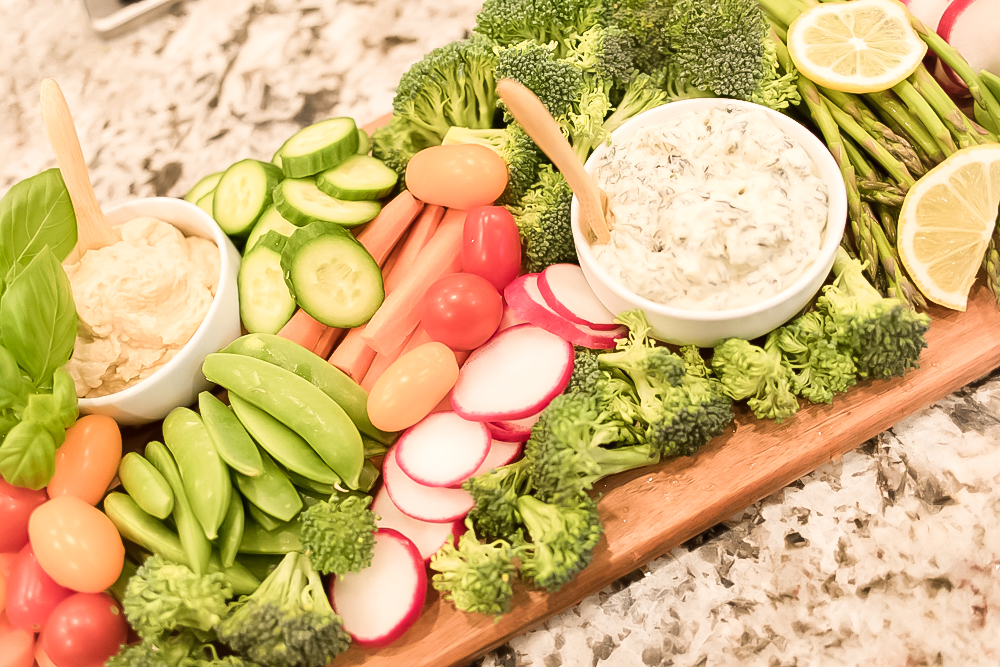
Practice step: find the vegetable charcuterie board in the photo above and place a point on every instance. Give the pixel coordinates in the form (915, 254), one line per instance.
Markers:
(647, 512)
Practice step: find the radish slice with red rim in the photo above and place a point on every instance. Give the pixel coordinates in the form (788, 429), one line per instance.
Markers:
(517, 430)
(425, 535)
(427, 503)
(514, 375)
(501, 453)
(526, 301)
(971, 27)
(509, 319)
(442, 449)
(565, 290)
(381, 602)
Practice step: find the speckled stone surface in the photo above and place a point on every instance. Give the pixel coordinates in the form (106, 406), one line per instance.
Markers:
(890, 556)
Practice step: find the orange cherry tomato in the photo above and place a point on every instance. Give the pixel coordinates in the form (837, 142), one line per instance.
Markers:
(88, 460)
(408, 390)
(17, 646)
(3, 591)
(41, 658)
(457, 175)
(76, 544)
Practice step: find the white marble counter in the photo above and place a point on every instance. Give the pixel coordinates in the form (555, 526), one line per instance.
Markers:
(890, 556)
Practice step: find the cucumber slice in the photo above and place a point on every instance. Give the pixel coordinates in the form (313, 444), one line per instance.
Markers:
(318, 147)
(203, 187)
(207, 202)
(299, 201)
(270, 220)
(331, 276)
(242, 195)
(364, 143)
(359, 177)
(266, 305)
(276, 159)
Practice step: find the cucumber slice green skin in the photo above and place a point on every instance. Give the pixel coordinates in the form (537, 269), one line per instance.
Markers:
(364, 143)
(206, 203)
(269, 221)
(203, 187)
(358, 178)
(332, 277)
(243, 194)
(266, 304)
(319, 147)
(299, 201)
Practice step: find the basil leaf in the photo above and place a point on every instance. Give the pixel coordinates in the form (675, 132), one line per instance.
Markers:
(8, 420)
(39, 317)
(43, 410)
(28, 456)
(13, 385)
(35, 213)
(64, 391)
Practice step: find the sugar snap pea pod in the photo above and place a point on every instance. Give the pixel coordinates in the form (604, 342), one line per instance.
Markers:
(266, 521)
(144, 529)
(193, 539)
(243, 581)
(298, 404)
(311, 487)
(146, 485)
(335, 383)
(203, 472)
(369, 475)
(256, 540)
(283, 444)
(231, 530)
(231, 440)
(271, 491)
(373, 447)
(259, 565)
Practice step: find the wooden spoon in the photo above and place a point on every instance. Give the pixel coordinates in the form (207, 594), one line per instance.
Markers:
(536, 120)
(93, 231)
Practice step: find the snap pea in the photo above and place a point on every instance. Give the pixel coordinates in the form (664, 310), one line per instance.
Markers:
(203, 473)
(260, 565)
(256, 540)
(231, 530)
(368, 477)
(193, 539)
(331, 380)
(283, 444)
(271, 492)
(264, 520)
(231, 440)
(146, 485)
(311, 487)
(372, 447)
(295, 402)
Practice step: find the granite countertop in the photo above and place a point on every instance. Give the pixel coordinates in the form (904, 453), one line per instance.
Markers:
(889, 556)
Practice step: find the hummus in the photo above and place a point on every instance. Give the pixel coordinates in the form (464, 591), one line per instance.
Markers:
(139, 302)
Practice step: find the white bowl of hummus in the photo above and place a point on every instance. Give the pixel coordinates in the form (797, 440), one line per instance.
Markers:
(725, 218)
(151, 307)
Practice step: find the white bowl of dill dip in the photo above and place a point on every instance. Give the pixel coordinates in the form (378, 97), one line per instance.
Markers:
(725, 218)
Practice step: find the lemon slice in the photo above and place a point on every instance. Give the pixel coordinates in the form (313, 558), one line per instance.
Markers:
(946, 222)
(855, 47)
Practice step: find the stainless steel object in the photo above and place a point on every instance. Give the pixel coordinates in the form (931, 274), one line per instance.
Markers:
(111, 18)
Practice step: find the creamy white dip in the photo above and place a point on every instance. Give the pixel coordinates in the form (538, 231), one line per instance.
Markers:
(710, 211)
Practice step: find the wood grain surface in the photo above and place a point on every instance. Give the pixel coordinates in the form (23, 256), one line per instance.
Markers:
(648, 512)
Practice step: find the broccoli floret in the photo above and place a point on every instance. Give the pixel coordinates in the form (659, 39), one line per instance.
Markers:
(399, 141)
(641, 94)
(567, 452)
(884, 336)
(476, 577)
(559, 84)
(758, 375)
(164, 596)
(775, 89)
(181, 650)
(495, 494)
(339, 534)
(516, 148)
(822, 368)
(542, 218)
(643, 21)
(452, 85)
(587, 377)
(288, 620)
(510, 22)
(563, 537)
(605, 52)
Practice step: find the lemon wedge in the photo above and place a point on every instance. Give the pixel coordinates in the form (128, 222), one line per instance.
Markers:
(855, 47)
(946, 222)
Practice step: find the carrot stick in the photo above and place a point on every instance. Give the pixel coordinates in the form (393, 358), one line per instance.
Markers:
(303, 329)
(397, 317)
(353, 355)
(381, 234)
(327, 340)
(421, 232)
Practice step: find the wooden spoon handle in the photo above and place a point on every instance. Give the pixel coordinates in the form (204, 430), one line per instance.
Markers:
(93, 230)
(536, 120)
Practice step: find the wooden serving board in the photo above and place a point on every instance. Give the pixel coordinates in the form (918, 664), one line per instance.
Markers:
(647, 512)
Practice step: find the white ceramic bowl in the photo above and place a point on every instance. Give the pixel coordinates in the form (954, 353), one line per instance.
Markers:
(707, 328)
(180, 380)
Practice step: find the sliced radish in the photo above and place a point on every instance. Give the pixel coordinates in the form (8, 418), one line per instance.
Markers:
(500, 433)
(427, 503)
(509, 319)
(501, 453)
(517, 430)
(971, 27)
(514, 375)
(381, 602)
(442, 449)
(425, 535)
(565, 290)
(526, 301)
(928, 11)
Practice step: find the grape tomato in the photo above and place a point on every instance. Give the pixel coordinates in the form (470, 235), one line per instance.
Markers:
(411, 386)
(491, 245)
(16, 505)
(84, 630)
(77, 544)
(31, 592)
(456, 175)
(17, 646)
(88, 460)
(461, 310)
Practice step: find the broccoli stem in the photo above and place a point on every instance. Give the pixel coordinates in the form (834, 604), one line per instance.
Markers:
(920, 108)
(892, 109)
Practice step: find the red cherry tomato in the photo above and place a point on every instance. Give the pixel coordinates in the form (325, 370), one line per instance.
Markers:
(88, 460)
(461, 310)
(84, 630)
(457, 175)
(16, 645)
(491, 245)
(16, 505)
(31, 593)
